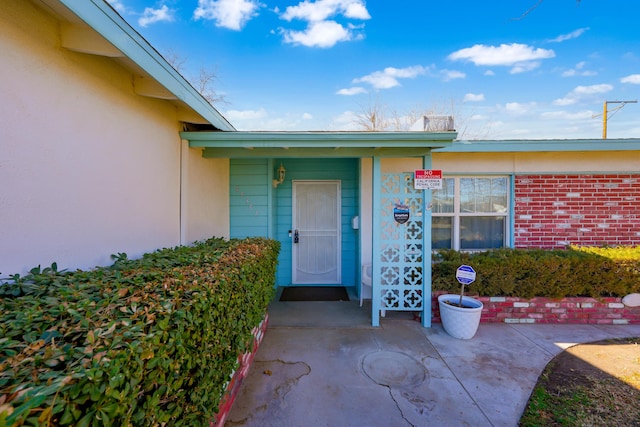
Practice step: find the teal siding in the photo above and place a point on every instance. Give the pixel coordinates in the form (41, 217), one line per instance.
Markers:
(345, 170)
(250, 193)
(249, 196)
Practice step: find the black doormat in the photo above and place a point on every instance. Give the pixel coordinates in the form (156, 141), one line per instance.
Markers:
(314, 293)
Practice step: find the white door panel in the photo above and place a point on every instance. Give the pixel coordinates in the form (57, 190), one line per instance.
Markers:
(316, 223)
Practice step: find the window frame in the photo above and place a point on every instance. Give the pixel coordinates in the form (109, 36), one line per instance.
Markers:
(456, 215)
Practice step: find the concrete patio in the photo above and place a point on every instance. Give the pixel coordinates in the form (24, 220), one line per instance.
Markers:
(322, 364)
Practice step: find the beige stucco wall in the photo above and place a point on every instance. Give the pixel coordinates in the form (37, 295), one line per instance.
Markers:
(205, 196)
(87, 167)
(566, 162)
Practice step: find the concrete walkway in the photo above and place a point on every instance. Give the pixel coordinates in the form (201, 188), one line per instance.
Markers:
(322, 364)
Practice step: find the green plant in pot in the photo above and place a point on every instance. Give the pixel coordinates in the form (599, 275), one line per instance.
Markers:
(460, 315)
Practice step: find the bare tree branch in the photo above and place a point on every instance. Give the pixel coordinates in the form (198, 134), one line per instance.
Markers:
(203, 83)
(372, 117)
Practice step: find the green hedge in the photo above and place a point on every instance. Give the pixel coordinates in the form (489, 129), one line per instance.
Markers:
(145, 342)
(526, 273)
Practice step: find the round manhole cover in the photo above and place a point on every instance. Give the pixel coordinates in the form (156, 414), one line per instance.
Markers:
(390, 368)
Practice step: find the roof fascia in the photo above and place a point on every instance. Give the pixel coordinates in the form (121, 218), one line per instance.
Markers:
(313, 152)
(100, 16)
(248, 140)
(532, 146)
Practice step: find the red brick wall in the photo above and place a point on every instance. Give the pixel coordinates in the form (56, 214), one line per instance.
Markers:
(237, 377)
(587, 210)
(602, 311)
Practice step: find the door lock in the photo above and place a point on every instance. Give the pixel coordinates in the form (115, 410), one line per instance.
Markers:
(296, 237)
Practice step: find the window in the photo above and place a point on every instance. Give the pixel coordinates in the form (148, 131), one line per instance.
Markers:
(470, 213)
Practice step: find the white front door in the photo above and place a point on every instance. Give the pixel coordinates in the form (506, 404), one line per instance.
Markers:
(316, 232)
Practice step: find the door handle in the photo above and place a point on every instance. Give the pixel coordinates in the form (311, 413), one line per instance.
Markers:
(296, 237)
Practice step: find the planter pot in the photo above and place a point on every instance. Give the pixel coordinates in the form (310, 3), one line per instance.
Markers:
(460, 322)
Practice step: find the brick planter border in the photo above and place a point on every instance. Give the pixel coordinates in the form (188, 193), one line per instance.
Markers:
(237, 377)
(575, 310)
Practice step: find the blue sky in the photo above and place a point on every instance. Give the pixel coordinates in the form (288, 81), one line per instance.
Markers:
(506, 69)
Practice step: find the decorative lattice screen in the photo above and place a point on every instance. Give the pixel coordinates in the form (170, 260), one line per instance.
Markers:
(401, 244)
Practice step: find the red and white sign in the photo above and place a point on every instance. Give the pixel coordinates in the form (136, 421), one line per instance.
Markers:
(427, 179)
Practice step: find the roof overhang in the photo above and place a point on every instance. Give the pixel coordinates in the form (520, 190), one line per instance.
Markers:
(317, 144)
(94, 27)
(546, 145)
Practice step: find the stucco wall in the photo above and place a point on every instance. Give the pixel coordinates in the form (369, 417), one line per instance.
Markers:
(87, 167)
(205, 196)
(543, 162)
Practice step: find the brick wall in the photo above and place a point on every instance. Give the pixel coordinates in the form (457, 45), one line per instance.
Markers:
(588, 210)
(237, 377)
(602, 311)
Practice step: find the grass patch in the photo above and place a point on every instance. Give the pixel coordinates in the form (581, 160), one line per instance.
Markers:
(589, 385)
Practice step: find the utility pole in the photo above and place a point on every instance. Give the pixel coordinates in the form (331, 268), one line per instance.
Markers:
(605, 113)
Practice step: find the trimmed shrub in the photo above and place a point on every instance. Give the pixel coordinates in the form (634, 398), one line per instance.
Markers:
(144, 342)
(527, 273)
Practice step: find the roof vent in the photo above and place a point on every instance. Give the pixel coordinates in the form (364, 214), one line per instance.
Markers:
(434, 124)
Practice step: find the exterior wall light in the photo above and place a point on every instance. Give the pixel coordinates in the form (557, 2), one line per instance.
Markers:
(281, 173)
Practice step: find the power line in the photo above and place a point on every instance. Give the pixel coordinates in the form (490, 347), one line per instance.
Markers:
(606, 111)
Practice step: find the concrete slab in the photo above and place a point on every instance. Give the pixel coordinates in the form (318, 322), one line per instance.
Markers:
(314, 368)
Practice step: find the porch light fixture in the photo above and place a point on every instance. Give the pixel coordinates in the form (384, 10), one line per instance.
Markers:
(281, 173)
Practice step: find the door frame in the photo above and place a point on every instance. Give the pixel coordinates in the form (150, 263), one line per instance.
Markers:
(294, 226)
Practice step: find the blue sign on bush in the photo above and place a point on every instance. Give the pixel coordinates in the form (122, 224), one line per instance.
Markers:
(465, 274)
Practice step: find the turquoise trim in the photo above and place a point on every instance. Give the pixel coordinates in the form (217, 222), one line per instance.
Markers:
(106, 21)
(288, 140)
(375, 243)
(426, 251)
(313, 152)
(532, 146)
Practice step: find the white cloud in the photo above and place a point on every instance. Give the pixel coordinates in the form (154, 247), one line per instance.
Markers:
(518, 108)
(319, 34)
(263, 120)
(473, 97)
(581, 92)
(452, 75)
(578, 70)
(523, 67)
(355, 90)
(119, 6)
(240, 115)
(572, 35)
(323, 9)
(519, 56)
(489, 73)
(633, 79)
(151, 15)
(388, 77)
(565, 115)
(322, 31)
(345, 121)
(231, 14)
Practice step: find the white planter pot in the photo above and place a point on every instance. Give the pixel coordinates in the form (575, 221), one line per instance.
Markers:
(460, 322)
